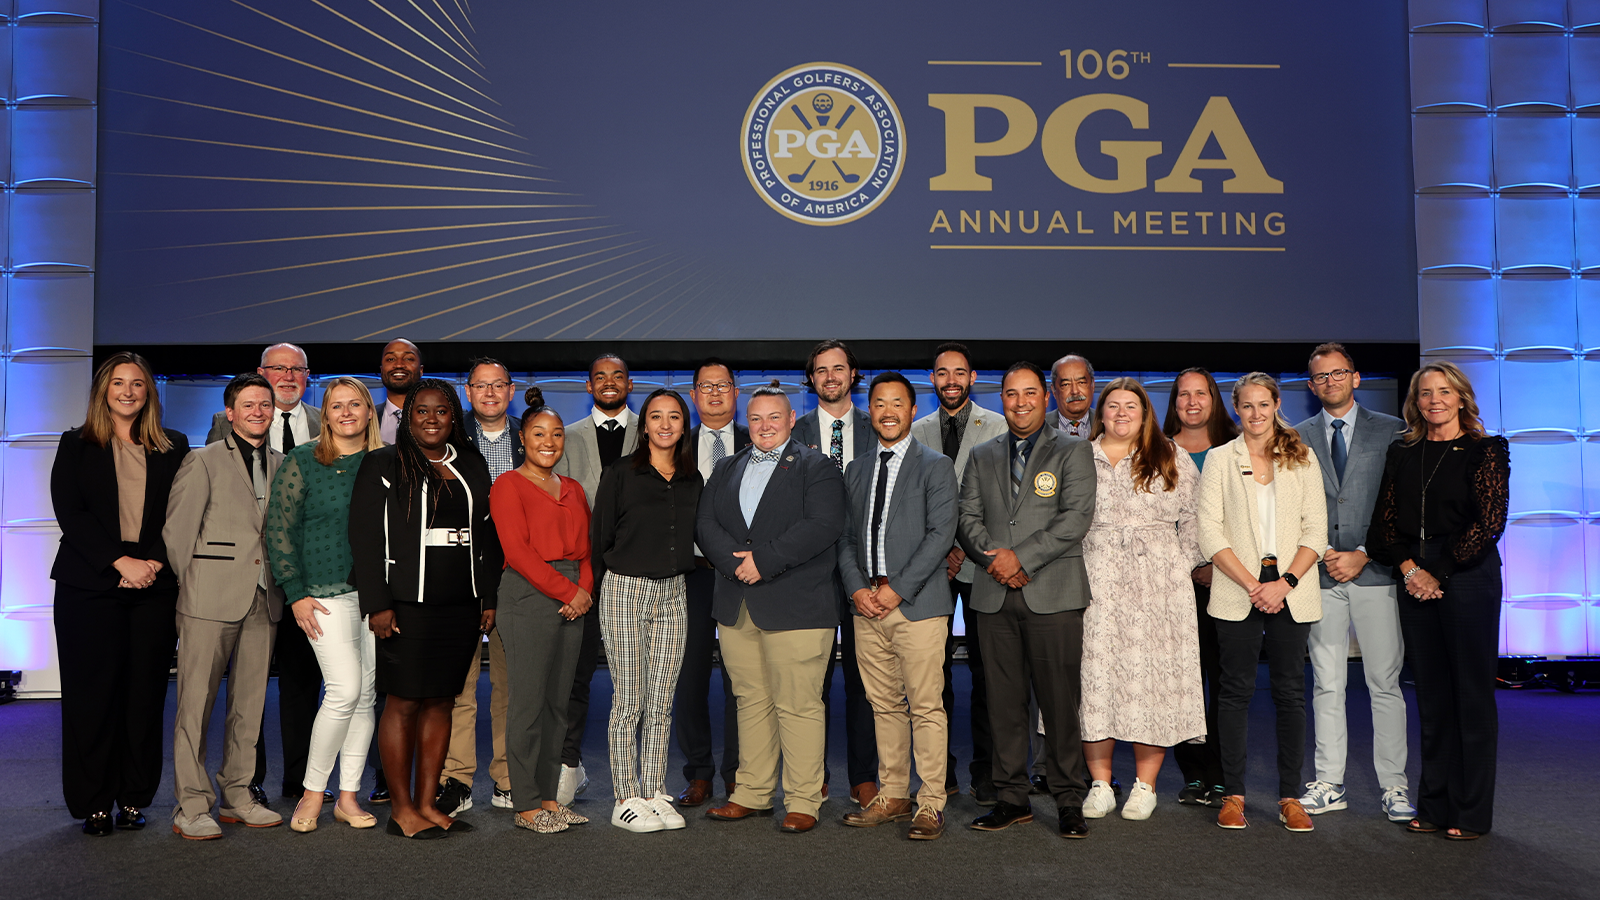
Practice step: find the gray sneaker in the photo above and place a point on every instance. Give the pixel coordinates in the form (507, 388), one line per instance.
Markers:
(195, 828)
(1397, 804)
(254, 815)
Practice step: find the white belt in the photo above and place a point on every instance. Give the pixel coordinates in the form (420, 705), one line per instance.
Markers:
(447, 537)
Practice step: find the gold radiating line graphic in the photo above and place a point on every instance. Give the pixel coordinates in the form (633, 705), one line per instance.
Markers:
(366, 159)
(351, 234)
(367, 184)
(465, 16)
(448, 18)
(409, 27)
(583, 300)
(353, 80)
(250, 209)
(325, 101)
(1222, 66)
(636, 307)
(329, 128)
(689, 297)
(545, 300)
(406, 52)
(447, 34)
(369, 61)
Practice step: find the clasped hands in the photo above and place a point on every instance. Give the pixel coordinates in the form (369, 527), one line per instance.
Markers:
(1269, 596)
(747, 571)
(1424, 586)
(876, 602)
(137, 573)
(1006, 568)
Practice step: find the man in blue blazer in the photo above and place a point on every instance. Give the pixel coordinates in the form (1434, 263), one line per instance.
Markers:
(840, 431)
(768, 522)
(892, 559)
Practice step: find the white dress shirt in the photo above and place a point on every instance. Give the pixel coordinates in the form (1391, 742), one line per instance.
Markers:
(826, 438)
(703, 454)
(600, 418)
(299, 426)
(898, 457)
(1349, 420)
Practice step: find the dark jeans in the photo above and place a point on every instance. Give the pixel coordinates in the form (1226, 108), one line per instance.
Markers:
(691, 705)
(578, 706)
(1203, 762)
(299, 696)
(1239, 645)
(982, 740)
(1453, 645)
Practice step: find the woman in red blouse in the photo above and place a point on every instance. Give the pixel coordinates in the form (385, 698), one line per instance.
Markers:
(543, 520)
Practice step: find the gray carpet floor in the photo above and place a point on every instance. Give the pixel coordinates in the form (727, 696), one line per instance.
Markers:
(1547, 830)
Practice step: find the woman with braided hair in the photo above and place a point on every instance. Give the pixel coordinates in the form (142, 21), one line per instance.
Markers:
(427, 568)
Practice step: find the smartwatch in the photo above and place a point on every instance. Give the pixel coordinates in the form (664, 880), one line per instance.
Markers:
(1293, 581)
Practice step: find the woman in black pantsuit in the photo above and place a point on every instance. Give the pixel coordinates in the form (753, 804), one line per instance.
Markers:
(116, 598)
(427, 568)
(1441, 509)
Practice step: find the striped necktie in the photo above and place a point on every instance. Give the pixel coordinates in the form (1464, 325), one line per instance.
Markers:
(1019, 466)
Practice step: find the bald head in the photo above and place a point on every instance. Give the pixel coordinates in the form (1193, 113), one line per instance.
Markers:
(400, 368)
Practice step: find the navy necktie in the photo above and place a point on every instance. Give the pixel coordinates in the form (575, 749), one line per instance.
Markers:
(1341, 454)
(879, 495)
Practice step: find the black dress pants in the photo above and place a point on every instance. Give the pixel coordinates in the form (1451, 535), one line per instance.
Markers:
(299, 696)
(860, 734)
(1453, 646)
(1239, 651)
(1203, 762)
(1042, 651)
(115, 651)
(982, 740)
(578, 706)
(691, 705)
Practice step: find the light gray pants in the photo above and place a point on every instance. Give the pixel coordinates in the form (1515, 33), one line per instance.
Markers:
(541, 660)
(644, 622)
(1376, 617)
(204, 649)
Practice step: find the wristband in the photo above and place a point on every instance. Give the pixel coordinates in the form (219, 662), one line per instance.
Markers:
(1291, 579)
(1414, 570)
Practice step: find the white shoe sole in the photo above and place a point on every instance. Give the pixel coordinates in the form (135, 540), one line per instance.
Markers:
(640, 824)
(1331, 807)
(500, 801)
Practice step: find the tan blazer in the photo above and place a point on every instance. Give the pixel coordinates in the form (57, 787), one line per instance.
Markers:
(214, 534)
(1228, 521)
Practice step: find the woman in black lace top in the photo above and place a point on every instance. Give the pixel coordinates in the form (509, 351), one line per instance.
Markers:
(1441, 509)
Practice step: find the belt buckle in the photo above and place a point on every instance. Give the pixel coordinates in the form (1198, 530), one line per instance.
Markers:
(879, 581)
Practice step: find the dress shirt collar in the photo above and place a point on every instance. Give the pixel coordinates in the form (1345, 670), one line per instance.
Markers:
(600, 418)
(899, 449)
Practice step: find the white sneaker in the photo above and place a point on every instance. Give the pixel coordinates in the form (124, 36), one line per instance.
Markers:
(501, 799)
(1322, 797)
(574, 780)
(1141, 801)
(1397, 804)
(635, 815)
(1100, 801)
(662, 806)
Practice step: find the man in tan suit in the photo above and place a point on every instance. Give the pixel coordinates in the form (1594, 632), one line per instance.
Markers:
(227, 607)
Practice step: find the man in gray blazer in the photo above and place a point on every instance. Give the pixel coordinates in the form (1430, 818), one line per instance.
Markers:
(841, 432)
(608, 433)
(294, 421)
(1026, 502)
(227, 606)
(1351, 443)
(892, 560)
(955, 428)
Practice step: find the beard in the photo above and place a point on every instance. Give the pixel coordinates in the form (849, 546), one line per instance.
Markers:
(397, 380)
(959, 401)
(611, 405)
(833, 394)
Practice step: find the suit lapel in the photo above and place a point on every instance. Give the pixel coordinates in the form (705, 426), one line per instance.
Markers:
(237, 462)
(1246, 473)
(730, 497)
(1042, 446)
(789, 457)
(1316, 440)
(864, 439)
(906, 476)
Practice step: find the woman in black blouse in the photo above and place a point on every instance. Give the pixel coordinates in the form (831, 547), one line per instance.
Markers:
(643, 539)
(1440, 511)
(427, 565)
(116, 597)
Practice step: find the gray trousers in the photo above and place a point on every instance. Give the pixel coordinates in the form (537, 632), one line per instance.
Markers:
(541, 658)
(204, 650)
(1373, 610)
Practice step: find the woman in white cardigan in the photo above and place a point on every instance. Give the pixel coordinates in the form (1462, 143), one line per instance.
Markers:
(1263, 523)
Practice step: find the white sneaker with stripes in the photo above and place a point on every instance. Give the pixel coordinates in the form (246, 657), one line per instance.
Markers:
(634, 814)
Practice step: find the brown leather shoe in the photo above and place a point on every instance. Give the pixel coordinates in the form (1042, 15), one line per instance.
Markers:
(928, 824)
(882, 809)
(864, 792)
(731, 812)
(1232, 814)
(798, 823)
(1293, 816)
(698, 792)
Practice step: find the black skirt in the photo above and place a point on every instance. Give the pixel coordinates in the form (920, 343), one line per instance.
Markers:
(431, 655)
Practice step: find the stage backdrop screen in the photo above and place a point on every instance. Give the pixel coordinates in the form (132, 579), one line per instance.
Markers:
(501, 169)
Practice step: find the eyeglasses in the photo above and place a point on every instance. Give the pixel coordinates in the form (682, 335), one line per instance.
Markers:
(1336, 375)
(489, 385)
(714, 387)
(286, 370)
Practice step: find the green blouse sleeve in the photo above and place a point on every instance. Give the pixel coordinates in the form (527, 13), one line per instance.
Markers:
(285, 528)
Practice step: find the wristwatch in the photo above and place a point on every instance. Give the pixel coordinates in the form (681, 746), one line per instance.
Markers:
(1293, 581)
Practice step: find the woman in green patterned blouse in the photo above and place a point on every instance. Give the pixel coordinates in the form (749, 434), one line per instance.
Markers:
(307, 524)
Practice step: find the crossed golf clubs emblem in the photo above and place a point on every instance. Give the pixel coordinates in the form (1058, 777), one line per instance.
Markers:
(822, 106)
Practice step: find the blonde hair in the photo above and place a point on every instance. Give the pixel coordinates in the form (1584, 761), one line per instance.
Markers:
(1285, 446)
(1154, 454)
(326, 452)
(1417, 426)
(98, 426)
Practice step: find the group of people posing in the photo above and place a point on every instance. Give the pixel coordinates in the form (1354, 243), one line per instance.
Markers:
(1119, 580)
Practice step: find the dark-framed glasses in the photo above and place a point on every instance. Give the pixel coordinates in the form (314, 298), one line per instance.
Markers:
(1335, 375)
(490, 385)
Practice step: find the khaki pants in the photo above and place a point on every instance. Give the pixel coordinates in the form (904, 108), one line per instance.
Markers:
(777, 679)
(461, 763)
(902, 669)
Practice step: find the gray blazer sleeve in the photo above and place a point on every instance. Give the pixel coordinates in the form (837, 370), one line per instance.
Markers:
(939, 527)
(1074, 511)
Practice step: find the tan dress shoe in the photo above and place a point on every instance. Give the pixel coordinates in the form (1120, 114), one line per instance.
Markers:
(732, 812)
(928, 825)
(1232, 814)
(1294, 816)
(698, 792)
(864, 792)
(882, 809)
(798, 823)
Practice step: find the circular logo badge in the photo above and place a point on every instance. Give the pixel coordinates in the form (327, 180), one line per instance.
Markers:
(823, 144)
(1044, 484)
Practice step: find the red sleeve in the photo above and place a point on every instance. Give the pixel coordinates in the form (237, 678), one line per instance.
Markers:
(508, 505)
(582, 539)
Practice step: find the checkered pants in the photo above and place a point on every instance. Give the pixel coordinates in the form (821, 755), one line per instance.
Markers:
(643, 622)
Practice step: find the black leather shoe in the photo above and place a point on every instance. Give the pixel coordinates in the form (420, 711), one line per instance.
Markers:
(1003, 816)
(97, 825)
(1072, 823)
(129, 818)
(378, 795)
(1037, 785)
(259, 795)
(984, 793)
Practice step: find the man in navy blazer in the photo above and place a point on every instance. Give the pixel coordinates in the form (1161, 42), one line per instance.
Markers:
(903, 500)
(768, 522)
(840, 431)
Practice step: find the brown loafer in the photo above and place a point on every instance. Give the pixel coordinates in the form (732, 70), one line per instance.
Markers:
(798, 823)
(928, 825)
(731, 812)
(1294, 816)
(1232, 814)
(698, 792)
(864, 793)
(882, 809)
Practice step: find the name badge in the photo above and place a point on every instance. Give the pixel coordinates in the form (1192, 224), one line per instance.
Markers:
(1044, 484)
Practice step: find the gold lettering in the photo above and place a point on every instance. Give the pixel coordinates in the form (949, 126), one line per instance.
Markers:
(976, 219)
(1026, 229)
(1057, 222)
(1238, 156)
(994, 219)
(1205, 219)
(1152, 222)
(1132, 221)
(1059, 143)
(1081, 228)
(1273, 223)
(1179, 222)
(1240, 223)
(961, 145)
(939, 221)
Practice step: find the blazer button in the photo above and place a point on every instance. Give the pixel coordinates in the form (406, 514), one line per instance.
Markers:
(1013, 521)
(256, 563)
(747, 540)
(1341, 499)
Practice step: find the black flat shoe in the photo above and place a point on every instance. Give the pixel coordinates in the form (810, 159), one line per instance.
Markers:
(431, 833)
(1003, 816)
(97, 825)
(1461, 834)
(1419, 826)
(1071, 822)
(129, 818)
(460, 827)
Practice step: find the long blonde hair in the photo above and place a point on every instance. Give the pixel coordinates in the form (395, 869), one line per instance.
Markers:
(1154, 454)
(98, 426)
(1285, 446)
(326, 452)
(1417, 426)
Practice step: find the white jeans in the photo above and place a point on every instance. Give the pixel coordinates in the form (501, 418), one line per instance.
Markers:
(344, 726)
(1376, 617)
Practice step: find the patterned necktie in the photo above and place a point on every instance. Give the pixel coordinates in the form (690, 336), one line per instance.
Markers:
(1019, 466)
(764, 456)
(718, 451)
(1341, 453)
(836, 446)
(288, 435)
